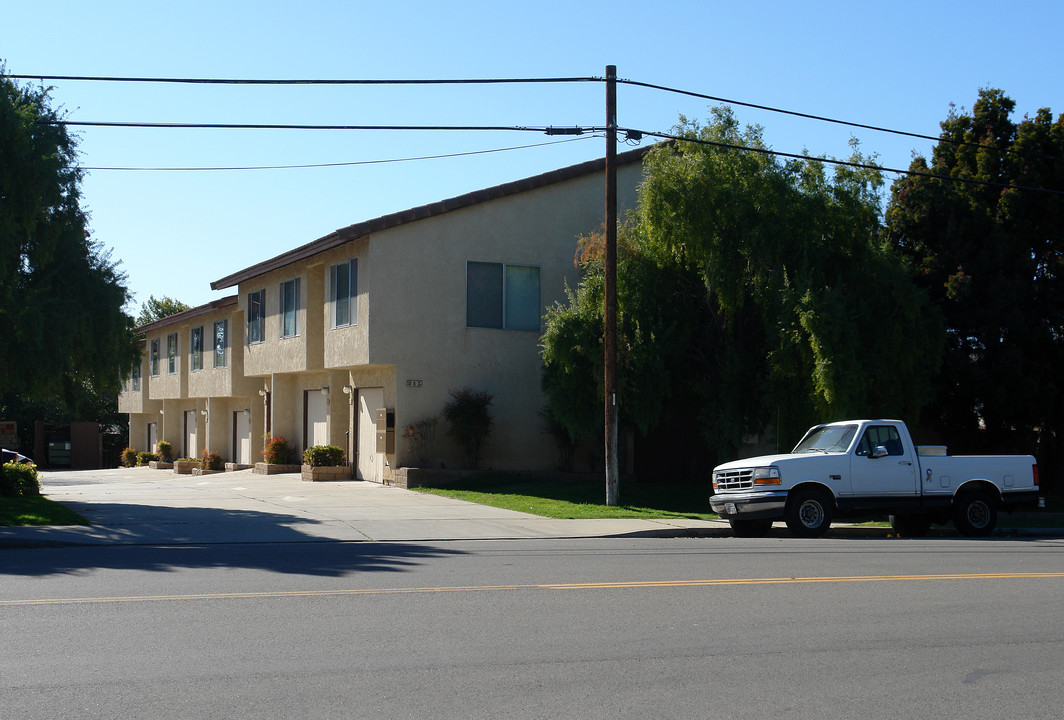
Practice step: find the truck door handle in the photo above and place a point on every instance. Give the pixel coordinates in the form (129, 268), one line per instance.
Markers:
(904, 462)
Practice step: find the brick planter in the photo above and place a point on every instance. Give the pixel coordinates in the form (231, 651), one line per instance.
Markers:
(202, 471)
(160, 465)
(274, 469)
(185, 467)
(324, 474)
(232, 467)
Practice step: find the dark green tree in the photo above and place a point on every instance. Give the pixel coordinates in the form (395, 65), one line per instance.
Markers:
(65, 335)
(992, 258)
(753, 294)
(156, 309)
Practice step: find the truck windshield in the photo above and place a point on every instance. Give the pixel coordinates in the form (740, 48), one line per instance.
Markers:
(826, 438)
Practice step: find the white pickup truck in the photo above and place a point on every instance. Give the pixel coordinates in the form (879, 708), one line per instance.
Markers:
(869, 467)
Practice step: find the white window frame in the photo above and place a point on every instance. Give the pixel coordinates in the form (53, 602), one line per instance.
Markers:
(350, 299)
(294, 282)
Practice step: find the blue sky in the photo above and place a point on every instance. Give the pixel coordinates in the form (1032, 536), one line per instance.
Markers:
(897, 65)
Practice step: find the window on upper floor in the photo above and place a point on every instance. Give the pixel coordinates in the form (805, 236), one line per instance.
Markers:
(343, 283)
(171, 353)
(196, 344)
(155, 357)
(502, 296)
(221, 340)
(136, 377)
(290, 308)
(256, 316)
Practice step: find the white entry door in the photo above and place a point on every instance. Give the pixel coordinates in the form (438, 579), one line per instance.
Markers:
(242, 433)
(317, 418)
(191, 449)
(370, 465)
(153, 437)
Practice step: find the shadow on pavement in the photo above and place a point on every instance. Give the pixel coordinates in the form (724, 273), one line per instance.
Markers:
(325, 559)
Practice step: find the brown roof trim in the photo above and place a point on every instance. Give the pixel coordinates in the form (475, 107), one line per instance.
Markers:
(362, 229)
(180, 317)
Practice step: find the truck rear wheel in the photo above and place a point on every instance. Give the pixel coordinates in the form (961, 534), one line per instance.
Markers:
(809, 513)
(750, 528)
(974, 514)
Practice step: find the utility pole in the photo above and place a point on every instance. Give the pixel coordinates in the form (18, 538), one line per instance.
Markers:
(610, 310)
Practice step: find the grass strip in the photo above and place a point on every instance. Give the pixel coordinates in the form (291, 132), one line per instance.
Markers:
(37, 510)
(580, 499)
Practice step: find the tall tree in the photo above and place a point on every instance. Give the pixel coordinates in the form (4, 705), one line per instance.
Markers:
(992, 258)
(61, 296)
(753, 293)
(156, 309)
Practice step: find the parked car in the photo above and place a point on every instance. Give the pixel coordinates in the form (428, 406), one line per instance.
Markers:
(16, 457)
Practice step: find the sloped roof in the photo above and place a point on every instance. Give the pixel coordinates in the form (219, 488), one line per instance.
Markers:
(180, 317)
(384, 222)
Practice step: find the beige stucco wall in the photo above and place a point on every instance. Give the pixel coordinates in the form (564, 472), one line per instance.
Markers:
(302, 352)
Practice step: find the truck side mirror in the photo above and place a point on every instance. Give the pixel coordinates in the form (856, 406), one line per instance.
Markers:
(879, 452)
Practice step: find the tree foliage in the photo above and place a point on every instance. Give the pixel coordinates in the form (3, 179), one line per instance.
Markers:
(752, 293)
(992, 258)
(156, 309)
(61, 296)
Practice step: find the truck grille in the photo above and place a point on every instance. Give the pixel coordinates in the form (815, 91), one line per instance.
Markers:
(734, 479)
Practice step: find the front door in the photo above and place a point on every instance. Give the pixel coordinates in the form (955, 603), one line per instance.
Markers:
(370, 465)
(317, 423)
(242, 437)
(191, 450)
(153, 437)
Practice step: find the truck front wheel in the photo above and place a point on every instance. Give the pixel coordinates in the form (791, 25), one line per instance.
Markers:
(809, 513)
(974, 514)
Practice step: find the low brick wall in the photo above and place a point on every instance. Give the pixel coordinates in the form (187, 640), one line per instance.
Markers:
(274, 469)
(325, 474)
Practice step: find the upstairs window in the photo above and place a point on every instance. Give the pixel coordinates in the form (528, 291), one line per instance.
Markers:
(256, 316)
(196, 343)
(171, 353)
(502, 296)
(155, 357)
(136, 377)
(221, 340)
(343, 281)
(290, 308)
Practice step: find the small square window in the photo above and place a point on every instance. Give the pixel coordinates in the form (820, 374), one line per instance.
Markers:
(502, 296)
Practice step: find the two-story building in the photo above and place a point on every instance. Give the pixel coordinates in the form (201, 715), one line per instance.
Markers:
(390, 313)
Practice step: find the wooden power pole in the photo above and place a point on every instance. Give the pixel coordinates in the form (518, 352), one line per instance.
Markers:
(610, 310)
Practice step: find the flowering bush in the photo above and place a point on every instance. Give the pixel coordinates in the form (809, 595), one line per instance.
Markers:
(166, 451)
(277, 451)
(19, 479)
(129, 457)
(143, 458)
(212, 461)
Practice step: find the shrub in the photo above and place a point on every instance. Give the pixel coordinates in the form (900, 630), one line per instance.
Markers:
(19, 479)
(166, 451)
(143, 458)
(212, 461)
(419, 437)
(323, 456)
(277, 451)
(467, 414)
(129, 457)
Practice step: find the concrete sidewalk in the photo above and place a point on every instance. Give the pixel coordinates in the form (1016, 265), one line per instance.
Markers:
(140, 506)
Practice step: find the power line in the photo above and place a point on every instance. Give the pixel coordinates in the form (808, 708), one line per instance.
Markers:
(274, 126)
(234, 81)
(848, 123)
(832, 161)
(340, 164)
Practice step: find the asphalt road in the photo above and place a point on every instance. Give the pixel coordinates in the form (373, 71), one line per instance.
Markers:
(588, 628)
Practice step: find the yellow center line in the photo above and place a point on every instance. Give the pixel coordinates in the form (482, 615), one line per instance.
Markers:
(548, 586)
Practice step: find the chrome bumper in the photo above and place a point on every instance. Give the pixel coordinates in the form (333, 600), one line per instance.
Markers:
(752, 505)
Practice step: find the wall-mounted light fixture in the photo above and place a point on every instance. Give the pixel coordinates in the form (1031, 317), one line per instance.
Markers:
(247, 412)
(325, 390)
(262, 393)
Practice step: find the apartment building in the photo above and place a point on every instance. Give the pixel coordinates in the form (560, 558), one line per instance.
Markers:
(389, 314)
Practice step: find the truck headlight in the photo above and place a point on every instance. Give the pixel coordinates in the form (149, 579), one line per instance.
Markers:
(767, 476)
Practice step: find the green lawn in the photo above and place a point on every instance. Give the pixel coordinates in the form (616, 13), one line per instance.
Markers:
(568, 499)
(37, 510)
